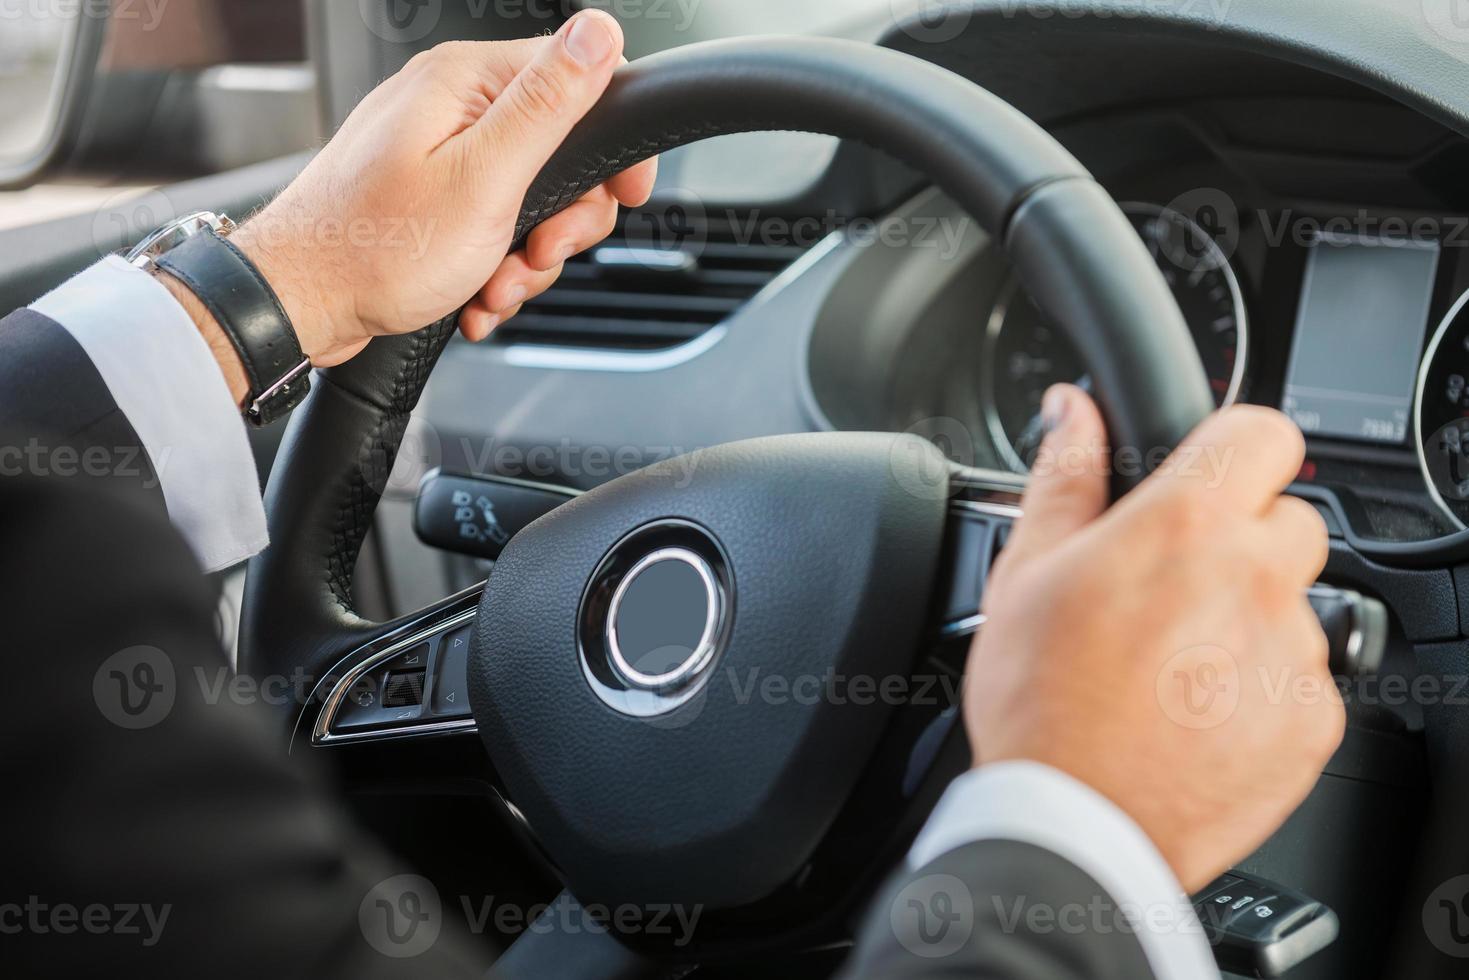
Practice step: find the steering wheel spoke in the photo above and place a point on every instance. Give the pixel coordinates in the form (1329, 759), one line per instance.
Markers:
(984, 507)
(409, 682)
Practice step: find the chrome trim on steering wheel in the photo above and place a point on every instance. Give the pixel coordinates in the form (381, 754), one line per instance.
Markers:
(703, 651)
(420, 632)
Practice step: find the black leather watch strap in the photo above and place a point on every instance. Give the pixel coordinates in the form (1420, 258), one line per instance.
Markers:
(250, 313)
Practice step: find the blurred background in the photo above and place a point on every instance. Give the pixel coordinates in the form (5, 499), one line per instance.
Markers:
(30, 56)
(178, 89)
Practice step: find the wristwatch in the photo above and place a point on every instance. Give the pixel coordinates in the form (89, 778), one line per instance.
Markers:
(196, 250)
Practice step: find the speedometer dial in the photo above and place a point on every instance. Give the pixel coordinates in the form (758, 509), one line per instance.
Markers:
(1025, 354)
(1441, 414)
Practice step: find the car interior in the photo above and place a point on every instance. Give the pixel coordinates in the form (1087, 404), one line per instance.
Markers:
(855, 266)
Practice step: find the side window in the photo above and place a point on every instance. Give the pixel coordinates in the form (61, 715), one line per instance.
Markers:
(169, 90)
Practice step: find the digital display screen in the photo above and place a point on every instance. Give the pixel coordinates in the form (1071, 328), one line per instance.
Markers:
(1359, 337)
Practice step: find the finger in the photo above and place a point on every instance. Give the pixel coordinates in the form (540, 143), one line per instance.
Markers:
(1068, 483)
(578, 228)
(510, 314)
(476, 321)
(1247, 453)
(539, 107)
(1297, 539)
(633, 187)
(514, 283)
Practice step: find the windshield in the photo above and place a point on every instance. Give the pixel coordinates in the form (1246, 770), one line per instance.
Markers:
(654, 25)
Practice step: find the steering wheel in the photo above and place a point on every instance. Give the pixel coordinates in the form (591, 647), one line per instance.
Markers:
(650, 764)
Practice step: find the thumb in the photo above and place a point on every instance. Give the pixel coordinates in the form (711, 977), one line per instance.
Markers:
(1068, 481)
(550, 95)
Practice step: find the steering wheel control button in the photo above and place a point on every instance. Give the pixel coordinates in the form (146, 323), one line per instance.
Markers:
(404, 689)
(663, 620)
(972, 542)
(375, 705)
(390, 695)
(1224, 883)
(451, 681)
(478, 516)
(1259, 928)
(414, 659)
(415, 686)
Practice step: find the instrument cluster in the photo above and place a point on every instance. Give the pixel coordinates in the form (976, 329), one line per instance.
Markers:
(1362, 338)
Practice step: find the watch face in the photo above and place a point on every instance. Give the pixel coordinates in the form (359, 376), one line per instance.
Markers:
(175, 233)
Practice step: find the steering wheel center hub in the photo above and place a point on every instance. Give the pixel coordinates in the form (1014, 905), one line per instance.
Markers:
(669, 617)
(654, 618)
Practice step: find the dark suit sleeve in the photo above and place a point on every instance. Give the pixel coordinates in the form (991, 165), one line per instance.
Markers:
(151, 828)
(997, 910)
(62, 420)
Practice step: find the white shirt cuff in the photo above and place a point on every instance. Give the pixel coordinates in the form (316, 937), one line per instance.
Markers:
(165, 380)
(1036, 804)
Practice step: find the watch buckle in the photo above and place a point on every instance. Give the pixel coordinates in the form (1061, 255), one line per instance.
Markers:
(255, 411)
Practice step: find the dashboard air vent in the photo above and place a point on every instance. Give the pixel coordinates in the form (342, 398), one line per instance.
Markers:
(634, 294)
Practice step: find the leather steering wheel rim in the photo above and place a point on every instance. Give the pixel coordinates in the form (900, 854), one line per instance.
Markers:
(1072, 247)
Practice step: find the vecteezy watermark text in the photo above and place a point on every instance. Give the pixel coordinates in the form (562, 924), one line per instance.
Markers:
(150, 12)
(402, 917)
(941, 21)
(40, 459)
(410, 21)
(943, 233)
(37, 917)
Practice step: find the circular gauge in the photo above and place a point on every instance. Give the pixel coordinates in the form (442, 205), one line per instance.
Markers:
(1025, 354)
(1441, 414)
